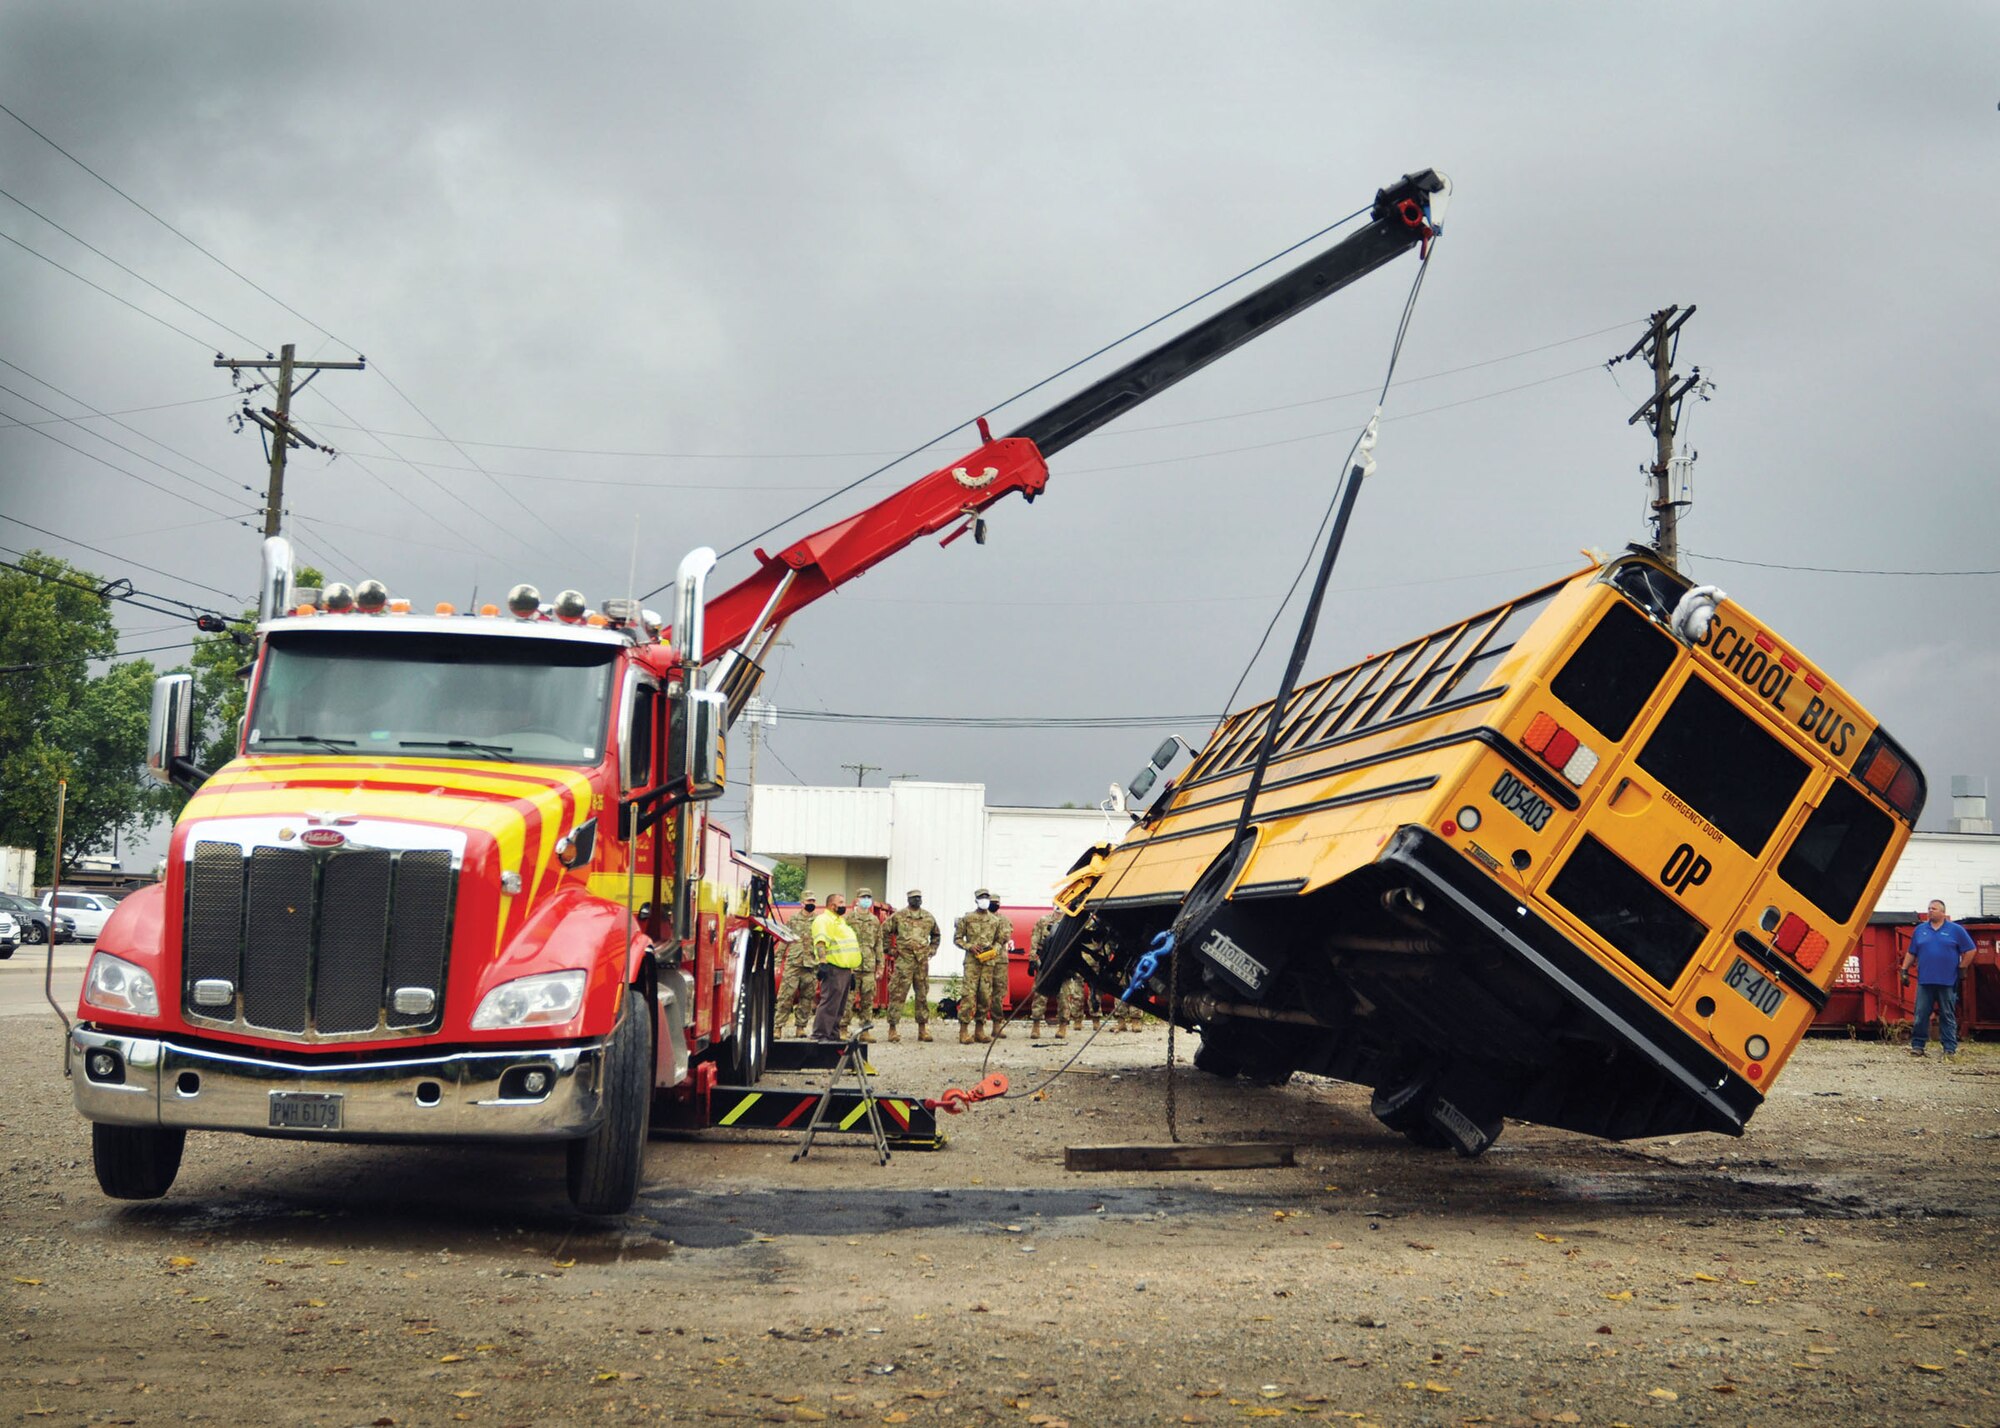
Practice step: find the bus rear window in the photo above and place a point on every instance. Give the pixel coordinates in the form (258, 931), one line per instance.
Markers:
(1713, 755)
(1836, 853)
(1627, 911)
(1615, 670)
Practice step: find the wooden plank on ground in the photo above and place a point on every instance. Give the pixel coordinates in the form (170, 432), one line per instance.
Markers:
(1208, 1155)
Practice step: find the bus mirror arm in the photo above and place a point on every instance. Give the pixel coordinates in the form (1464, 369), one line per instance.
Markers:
(1695, 612)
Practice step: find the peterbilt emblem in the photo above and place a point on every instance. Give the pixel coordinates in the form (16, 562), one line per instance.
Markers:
(326, 815)
(322, 837)
(973, 483)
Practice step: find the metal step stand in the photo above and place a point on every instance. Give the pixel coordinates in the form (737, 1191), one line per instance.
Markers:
(854, 1061)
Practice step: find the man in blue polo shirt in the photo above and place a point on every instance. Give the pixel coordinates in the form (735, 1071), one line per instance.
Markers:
(1939, 949)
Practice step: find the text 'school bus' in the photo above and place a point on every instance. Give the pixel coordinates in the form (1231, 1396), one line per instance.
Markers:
(1589, 858)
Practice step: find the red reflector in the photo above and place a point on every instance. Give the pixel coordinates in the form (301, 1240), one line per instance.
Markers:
(1756, 1072)
(1881, 770)
(1560, 748)
(1448, 828)
(1791, 932)
(1903, 792)
(1541, 729)
(1765, 642)
(1811, 950)
(1814, 682)
(1789, 663)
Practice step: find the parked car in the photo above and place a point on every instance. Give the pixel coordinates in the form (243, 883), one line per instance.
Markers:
(87, 910)
(10, 935)
(34, 920)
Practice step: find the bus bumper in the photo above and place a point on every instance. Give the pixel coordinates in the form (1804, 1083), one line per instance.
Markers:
(519, 1093)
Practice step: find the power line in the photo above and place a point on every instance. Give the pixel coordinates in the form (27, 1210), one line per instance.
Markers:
(1836, 569)
(171, 327)
(999, 721)
(114, 466)
(863, 455)
(92, 659)
(209, 317)
(75, 422)
(81, 545)
(155, 407)
(168, 226)
(109, 591)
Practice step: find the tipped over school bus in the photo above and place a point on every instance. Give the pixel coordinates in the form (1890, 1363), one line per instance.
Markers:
(1590, 858)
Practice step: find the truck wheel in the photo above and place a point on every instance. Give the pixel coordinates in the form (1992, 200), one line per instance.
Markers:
(36, 935)
(1216, 1057)
(604, 1166)
(763, 1019)
(750, 1029)
(135, 1162)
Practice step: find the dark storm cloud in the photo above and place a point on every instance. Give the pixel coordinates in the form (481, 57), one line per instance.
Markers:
(792, 230)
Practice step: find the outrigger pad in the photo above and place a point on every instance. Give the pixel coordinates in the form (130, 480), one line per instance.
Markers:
(804, 1055)
(905, 1123)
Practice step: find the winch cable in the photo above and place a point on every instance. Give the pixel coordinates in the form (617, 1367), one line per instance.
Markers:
(1359, 462)
(1028, 390)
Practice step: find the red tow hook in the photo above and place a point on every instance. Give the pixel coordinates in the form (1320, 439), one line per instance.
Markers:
(955, 1100)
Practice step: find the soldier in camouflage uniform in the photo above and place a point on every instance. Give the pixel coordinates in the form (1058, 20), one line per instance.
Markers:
(1036, 937)
(908, 939)
(868, 932)
(985, 936)
(798, 990)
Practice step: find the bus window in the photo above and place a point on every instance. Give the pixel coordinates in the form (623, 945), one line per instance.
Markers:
(1716, 758)
(1615, 670)
(1514, 624)
(1836, 853)
(1627, 911)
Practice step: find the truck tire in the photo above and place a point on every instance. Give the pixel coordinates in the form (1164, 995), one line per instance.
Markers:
(750, 1029)
(604, 1166)
(135, 1162)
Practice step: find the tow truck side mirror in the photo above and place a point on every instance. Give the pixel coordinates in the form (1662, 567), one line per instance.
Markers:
(170, 733)
(695, 746)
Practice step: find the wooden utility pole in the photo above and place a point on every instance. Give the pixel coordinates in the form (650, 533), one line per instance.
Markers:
(861, 771)
(1661, 412)
(277, 421)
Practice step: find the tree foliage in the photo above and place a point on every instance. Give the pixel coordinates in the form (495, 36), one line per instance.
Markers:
(221, 690)
(788, 880)
(59, 721)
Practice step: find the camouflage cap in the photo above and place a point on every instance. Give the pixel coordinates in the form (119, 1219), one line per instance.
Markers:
(864, 892)
(808, 897)
(983, 893)
(914, 892)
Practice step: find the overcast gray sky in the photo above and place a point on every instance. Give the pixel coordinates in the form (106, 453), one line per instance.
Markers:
(757, 248)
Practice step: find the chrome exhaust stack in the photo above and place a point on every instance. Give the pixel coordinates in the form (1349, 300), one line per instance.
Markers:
(274, 585)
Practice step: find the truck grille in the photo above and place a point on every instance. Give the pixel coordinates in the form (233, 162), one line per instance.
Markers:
(317, 945)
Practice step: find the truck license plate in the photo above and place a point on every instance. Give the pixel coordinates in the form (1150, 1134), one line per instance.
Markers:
(305, 1110)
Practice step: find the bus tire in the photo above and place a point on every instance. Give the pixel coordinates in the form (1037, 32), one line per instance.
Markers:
(136, 1162)
(1215, 1056)
(604, 1166)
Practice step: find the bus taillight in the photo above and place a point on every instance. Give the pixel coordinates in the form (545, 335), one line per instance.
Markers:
(1886, 768)
(1798, 941)
(1560, 749)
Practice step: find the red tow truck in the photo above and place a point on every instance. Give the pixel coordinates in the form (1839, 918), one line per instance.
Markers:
(458, 881)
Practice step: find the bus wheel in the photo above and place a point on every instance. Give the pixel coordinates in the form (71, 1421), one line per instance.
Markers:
(604, 1166)
(1216, 1056)
(135, 1162)
(1401, 1109)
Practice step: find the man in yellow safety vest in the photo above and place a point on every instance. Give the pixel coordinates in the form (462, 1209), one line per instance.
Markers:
(839, 953)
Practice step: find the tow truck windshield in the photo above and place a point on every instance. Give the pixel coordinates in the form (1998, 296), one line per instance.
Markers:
(420, 694)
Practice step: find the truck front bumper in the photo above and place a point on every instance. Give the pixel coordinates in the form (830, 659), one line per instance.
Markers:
(519, 1093)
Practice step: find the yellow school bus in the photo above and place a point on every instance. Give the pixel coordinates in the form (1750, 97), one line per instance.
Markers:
(1588, 858)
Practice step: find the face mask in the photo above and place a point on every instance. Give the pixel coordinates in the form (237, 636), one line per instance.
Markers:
(984, 904)
(865, 903)
(916, 902)
(811, 905)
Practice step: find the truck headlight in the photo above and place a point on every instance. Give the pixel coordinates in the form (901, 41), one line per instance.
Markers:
(116, 985)
(548, 999)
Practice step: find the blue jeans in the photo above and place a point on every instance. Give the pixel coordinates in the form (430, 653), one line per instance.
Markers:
(1945, 999)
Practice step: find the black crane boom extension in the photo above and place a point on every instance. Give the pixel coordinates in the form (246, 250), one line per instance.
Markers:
(1400, 221)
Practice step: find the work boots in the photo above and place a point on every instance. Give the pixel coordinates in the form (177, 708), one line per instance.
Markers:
(964, 1035)
(866, 1039)
(1062, 1031)
(1035, 1031)
(979, 1035)
(999, 1028)
(923, 1031)
(895, 1035)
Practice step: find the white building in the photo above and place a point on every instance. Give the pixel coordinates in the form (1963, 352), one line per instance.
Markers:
(940, 837)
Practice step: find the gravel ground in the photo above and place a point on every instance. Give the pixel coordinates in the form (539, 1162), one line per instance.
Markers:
(1837, 1265)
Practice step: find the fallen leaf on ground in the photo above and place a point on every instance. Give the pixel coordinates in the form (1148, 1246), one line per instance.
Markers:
(1706, 1278)
(1665, 1395)
(1621, 1294)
